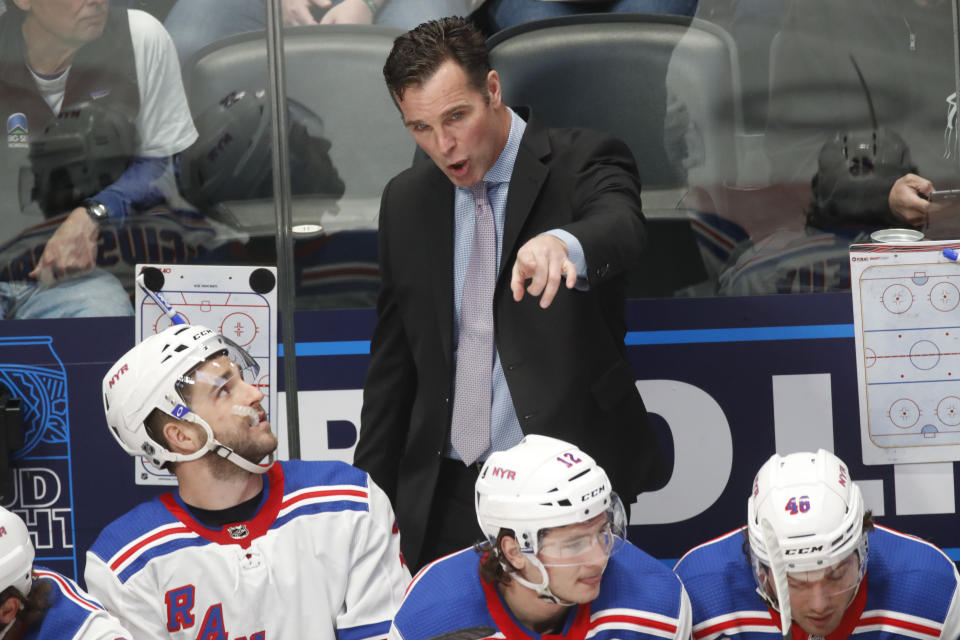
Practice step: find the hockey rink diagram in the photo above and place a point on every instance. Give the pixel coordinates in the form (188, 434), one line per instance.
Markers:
(910, 335)
(214, 297)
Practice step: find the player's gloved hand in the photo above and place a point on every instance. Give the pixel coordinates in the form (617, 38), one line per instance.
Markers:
(71, 250)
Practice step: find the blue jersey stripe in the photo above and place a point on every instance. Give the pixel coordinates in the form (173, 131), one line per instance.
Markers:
(364, 631)
(320, 507)
(157, 551)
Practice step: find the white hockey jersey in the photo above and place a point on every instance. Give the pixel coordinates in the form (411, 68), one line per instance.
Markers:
(910, 590)
(320, 559)
(73, 614)
(639, 599)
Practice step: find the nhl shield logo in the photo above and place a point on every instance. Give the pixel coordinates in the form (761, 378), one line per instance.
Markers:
(238, 531)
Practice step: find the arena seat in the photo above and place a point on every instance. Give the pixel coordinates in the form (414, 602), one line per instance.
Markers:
(335, 71)
(651, 80)
(666, 85)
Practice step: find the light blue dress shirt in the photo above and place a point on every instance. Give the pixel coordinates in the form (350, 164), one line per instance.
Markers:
(505, 429)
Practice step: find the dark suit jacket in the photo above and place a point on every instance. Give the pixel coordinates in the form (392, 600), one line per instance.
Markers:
(565, 365)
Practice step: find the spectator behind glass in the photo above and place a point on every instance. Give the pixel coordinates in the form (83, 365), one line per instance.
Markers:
(501, 14)
(856, 170)
(54, 56)
(195, 23)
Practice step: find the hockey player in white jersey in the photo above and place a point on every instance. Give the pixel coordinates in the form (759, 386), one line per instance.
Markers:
(243, 549)
(39, 604)
(555, 563)
(816, 567)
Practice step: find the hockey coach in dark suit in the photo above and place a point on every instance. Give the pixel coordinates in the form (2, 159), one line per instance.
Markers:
(501, 310)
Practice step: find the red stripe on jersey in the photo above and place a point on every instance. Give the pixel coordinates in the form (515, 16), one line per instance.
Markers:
(146, 541)
(68, 589)
(324, 493)
(903, 624)
(637, 620)
(736, 622)
(256, 527)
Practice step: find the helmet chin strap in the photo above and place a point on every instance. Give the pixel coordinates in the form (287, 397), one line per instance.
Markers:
(223, 450)
(226, 452)
(543, 588)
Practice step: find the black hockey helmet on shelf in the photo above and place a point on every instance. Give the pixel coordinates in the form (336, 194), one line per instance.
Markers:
(81, 151)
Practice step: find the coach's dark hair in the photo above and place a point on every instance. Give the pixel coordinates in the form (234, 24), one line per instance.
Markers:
(492, 560)
(35, 604)
(417, 54)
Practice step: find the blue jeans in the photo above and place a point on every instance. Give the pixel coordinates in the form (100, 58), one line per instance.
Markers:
(195, 23)
(96, 293)
(506, 13)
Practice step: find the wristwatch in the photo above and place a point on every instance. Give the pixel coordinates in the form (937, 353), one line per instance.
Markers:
(97, 210)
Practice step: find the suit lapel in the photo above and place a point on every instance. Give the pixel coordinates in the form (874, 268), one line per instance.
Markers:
(438, 227)
(529, 174)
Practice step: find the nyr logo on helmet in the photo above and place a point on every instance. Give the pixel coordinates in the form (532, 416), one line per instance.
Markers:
(843, 476)
(116, 377)
(17, 131)
(506, 474)
(238, 531)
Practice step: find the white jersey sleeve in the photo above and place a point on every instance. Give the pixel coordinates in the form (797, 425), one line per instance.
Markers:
(136, 612)
(164, 122)
(377, 576)
(104, 627)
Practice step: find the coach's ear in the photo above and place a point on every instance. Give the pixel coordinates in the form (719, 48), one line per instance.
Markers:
(510, 549)
(9, 609)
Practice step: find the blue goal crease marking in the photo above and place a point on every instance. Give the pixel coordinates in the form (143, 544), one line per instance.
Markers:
(633, 338)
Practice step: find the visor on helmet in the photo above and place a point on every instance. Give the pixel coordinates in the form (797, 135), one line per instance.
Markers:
(581, 543)
(842, 577)
(213, 377)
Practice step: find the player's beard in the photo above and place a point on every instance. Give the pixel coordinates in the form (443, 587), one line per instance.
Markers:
(246, 444)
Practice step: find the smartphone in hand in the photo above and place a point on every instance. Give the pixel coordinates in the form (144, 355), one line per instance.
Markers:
(945, 195)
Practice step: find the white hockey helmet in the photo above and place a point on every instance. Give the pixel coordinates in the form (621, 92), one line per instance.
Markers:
(538, 484)
(16, 553)
(544, 483)
(158, 373)
(804, 517)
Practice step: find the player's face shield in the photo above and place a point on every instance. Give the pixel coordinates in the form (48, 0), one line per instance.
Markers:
(219, 379)
(587, 542)
(838, 581)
